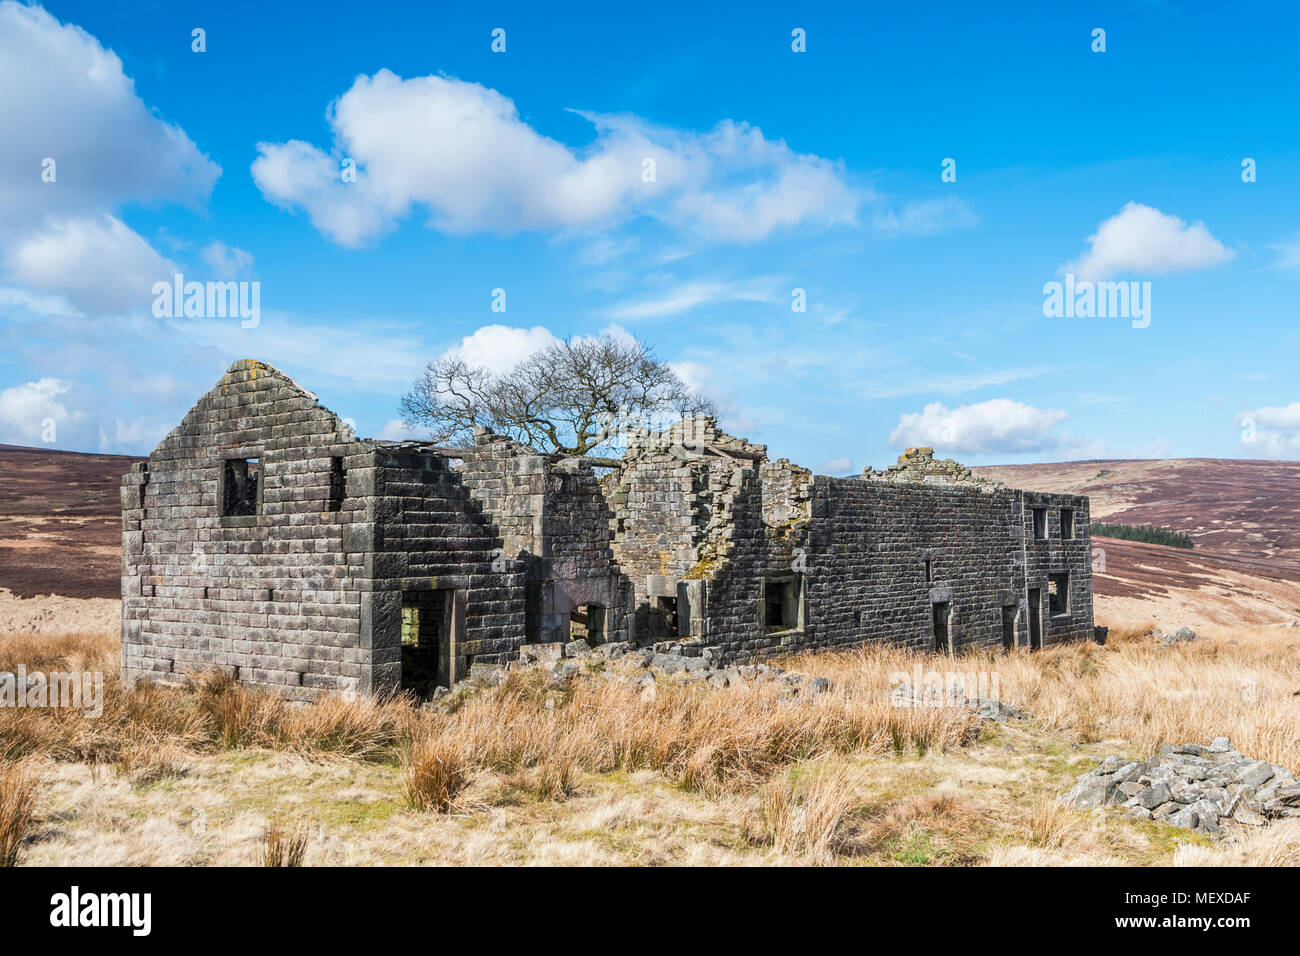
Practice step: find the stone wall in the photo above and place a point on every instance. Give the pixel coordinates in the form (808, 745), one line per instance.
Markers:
(848, 560)
(433, 535)
(274, 597)
(553, 516)
(263, 538)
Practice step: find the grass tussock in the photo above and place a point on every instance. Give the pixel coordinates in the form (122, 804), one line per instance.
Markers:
(284, 846)
(922, 830)
(19, 788)
(1052, 825)
(803, 816)
(434, 773)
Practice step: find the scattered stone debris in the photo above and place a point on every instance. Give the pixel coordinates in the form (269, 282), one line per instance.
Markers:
(646, 667)
(1179, 636)
(1192, 786)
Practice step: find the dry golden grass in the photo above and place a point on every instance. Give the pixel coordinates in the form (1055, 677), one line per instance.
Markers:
(803, 816)
(1242, 683)
(154, 760)
(1052, 825)
(284, 847)
(590, 771)
(704, 740)
(19, 788)
(434, 772)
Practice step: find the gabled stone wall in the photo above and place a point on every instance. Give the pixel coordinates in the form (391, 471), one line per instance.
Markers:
(274, 597)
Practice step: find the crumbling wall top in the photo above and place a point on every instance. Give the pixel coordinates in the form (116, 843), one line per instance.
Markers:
(920, 465)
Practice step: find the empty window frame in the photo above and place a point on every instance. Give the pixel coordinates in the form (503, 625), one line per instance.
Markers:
(587, 622)
(241, 485)
(1067, 523)
(665, 621)
(1040, 523)
(781, 611)
(338, 483)
(1058, 593)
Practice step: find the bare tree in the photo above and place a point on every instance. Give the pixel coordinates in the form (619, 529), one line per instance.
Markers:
(563, 399)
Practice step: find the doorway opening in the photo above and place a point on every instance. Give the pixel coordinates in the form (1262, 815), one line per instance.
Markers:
(427, 641)
(1035, 618)
(1009, 613)
(941, 615)
(534, 608)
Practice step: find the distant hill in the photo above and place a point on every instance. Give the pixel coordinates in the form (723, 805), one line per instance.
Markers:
(60, 522)
(1243, 518)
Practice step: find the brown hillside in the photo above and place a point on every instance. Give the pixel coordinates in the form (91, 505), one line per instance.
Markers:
(1243, 516)
(60, 522)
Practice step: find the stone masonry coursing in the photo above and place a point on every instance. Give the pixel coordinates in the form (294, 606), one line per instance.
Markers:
(264, 538)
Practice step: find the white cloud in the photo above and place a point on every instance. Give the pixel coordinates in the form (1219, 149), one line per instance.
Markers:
(927, 217)
(225, 261)
(124, 435)
(1288, 254)
(460, 151)
(366, 354)
(836, 466)
(397, 430)
(1272, 431)
(98, 264)
(65, 98)
(1142, 239)
(499, 348)
(12, 297)
(690, 295)
(25, 409)
(997, 425)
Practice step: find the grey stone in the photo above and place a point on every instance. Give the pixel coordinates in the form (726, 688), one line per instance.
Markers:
(1255, 773)
(1154, 796)
(669, 663)
(1090, 792)
(816, 686)
(565, 669)
(1187, 818)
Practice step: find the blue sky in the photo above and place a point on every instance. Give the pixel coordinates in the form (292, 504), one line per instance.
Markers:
(775, 170)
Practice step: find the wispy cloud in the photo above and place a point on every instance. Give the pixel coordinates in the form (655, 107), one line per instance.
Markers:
(691, 295)
(954, 384)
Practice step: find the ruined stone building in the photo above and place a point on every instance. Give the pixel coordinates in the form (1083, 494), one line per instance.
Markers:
(263, 537)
